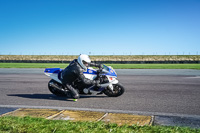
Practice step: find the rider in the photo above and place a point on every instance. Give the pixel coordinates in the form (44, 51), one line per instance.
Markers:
(75, 71)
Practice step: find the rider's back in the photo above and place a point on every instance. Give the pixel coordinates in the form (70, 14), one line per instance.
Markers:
(71, 72)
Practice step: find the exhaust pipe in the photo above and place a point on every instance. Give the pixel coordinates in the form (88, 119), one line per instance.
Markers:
(55, 86)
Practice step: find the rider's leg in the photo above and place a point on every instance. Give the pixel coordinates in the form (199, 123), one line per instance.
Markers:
(73, 91)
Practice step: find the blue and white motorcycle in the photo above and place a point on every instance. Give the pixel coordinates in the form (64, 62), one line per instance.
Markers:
(109, 85)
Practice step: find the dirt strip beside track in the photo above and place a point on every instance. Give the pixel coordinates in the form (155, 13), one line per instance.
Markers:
(74, 115)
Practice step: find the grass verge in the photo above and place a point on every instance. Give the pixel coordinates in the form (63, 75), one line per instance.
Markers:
(40, 125)
(115, 66)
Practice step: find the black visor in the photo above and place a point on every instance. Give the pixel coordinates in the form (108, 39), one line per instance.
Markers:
(85, 63)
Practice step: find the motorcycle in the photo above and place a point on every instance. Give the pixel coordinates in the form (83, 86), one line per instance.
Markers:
(109, 84)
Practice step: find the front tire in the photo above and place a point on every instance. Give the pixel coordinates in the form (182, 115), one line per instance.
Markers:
(118, 90)
(58, 92)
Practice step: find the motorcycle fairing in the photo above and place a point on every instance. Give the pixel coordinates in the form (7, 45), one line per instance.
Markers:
(91, 71)
(52, 70)
(109, 71)
(53, 73)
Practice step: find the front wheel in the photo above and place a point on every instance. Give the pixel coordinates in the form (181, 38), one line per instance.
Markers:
(118, 90)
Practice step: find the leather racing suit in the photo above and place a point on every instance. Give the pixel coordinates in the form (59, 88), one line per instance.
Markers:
(75, 71)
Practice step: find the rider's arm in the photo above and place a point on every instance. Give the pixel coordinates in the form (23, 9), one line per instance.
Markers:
(96, 65)
(85, 80)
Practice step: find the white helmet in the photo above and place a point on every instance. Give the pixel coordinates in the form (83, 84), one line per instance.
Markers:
(84, 61)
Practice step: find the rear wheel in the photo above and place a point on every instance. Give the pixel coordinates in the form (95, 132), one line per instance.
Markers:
(118, 90)
(58, 92)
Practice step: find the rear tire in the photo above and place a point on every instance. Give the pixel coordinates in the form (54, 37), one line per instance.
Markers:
(58, 92)
(118, 90)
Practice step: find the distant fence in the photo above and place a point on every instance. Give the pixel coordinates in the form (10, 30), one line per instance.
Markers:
(103, 62)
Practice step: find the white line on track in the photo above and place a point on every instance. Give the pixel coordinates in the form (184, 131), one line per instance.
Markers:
(196, 77)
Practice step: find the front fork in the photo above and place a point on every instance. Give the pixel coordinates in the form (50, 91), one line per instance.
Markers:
(110, 84)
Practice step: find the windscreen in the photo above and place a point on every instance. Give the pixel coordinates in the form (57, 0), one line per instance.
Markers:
(106, 68)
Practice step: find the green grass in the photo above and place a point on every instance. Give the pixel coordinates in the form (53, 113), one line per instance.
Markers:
(115, 66)
(32, 65)
(155, 66)
(12, 124)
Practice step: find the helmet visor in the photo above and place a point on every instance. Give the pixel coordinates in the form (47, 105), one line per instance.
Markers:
(85, 63)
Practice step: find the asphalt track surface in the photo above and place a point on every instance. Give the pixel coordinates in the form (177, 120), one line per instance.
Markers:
(151, 92)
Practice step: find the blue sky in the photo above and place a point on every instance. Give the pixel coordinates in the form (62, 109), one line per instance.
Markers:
(100, 27)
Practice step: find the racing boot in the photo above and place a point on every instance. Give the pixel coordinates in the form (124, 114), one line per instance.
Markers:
(73, 91)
